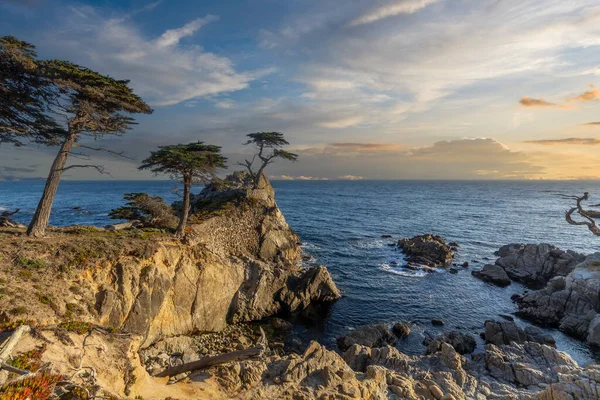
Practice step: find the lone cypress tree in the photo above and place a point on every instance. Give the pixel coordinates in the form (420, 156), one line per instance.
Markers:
(24, 97)
(92, 105)
(262, 141)
(188, 163)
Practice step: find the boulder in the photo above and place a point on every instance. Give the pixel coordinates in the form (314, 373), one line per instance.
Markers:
(463, 343)
(430, 250)
(535, 264)
(311, 287)
(494, 274)
(401, 330)
(437, 322)
(368, 335)
(507, 332)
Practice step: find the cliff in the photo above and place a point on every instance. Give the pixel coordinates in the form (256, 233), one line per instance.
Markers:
(239, 263)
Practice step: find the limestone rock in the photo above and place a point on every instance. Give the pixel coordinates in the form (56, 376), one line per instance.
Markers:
(430, 250)
(368, 335)
(494, 274)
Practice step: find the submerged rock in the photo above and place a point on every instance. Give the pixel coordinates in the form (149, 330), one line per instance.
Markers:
(494, 274)
(367, 335)
(430, 250)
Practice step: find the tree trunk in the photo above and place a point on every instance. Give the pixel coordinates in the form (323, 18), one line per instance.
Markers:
(39, 222)
(180, 232)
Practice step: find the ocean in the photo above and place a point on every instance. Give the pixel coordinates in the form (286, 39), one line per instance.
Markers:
(341, 224)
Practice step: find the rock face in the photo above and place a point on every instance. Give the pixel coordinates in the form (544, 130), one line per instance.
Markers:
(239, 263)
(507, 332)
(571, 303)
(430, 250)
(535, 264)
(523, 371)
(494, 274)
(368, 335)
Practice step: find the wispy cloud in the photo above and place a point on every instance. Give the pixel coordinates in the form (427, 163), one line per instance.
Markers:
(590, 95)
(173, 36)
(593, 123)
(567, 141)
(165, 71)
(389, 10)
(529, 102)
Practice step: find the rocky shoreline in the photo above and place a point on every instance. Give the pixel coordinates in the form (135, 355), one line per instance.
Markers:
(131, 304)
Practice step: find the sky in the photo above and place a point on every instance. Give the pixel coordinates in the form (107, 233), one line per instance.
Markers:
(377, 89)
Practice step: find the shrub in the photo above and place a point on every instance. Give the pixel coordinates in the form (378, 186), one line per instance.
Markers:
(151, 211)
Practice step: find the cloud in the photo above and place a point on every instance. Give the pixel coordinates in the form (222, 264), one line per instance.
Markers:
(593, 123)
(296, 178)
(463, 49)
(567, 141)
(162, 69)
(390, 10)
(351, 178)
(173, 36)
(529, 102)
(476, 158)
(590, 95)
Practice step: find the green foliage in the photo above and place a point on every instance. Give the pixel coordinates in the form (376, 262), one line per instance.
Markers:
(187, 162)
(35, 387)
(79, 327)
(97, 102)
(30, 263)
(24, 93)
(29, 360)
(12, 325)
(151, 211)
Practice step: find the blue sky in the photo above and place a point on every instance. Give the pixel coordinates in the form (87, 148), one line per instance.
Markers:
(385, 89)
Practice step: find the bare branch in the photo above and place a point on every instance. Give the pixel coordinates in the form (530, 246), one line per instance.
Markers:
(587, 215)
(118, 154)
(99, 168)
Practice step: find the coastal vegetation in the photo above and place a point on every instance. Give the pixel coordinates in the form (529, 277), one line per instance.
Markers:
(188, 163)
(262, 142)
(58, 103)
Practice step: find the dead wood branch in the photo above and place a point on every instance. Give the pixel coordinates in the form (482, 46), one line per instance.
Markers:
(206, 362)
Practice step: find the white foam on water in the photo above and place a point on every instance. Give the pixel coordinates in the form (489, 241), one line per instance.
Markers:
(396, 270)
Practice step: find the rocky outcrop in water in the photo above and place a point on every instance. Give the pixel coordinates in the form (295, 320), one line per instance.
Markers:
(369, 335)
(494, 274)
(571, 303)
(507, 332)
(429, 250)
(535, 264)
(523, 371)
(463, 343)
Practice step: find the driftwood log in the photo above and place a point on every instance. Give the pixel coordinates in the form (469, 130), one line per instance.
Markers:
(206, 362)
(7, 348)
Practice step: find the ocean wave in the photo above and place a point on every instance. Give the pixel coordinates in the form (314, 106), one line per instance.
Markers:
(397, 270)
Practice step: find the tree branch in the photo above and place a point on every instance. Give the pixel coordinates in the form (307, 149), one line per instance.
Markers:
(589, 221)
(99, 168)
(117, 154)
